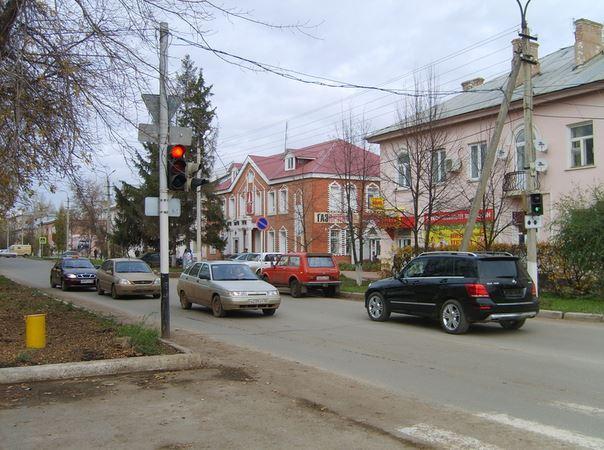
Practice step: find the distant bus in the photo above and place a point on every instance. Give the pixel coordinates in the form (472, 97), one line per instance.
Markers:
(21, 249)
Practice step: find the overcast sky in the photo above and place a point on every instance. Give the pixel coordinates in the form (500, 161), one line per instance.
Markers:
(378, 43)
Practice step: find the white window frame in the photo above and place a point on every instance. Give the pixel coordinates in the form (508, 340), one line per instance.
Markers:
(223, 207)
(290, 163)
(298, 219)
(250, 177)
(439, 172)
(334, 201)
(283, 240)
(283, 200)
(258, 195)
(232, 207)
(581, 140)
(354, 197)
(520, 149)
(479, 149)
(242, 202)
(403, 169)
(271, 203)
(372, 190)
(342, 246)
(270, 240)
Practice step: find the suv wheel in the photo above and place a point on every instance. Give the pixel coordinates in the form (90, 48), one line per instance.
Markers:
(512, 324)
(295, 288)
(452, 318)
(378, 309)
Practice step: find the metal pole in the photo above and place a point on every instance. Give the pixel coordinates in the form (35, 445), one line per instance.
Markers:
(487, 165)
(198, 212)
(164, 247)
(68, 235)
(107, 226)
(529, 149)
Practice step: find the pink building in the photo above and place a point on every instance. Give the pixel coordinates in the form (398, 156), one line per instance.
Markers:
(568, 128)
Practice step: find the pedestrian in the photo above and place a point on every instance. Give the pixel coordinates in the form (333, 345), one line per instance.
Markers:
(95, 253)
(187, 258)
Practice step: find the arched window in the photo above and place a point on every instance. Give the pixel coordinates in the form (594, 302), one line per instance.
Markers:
(404, 169)
(520, 154)
(335, 197)
(371, 191)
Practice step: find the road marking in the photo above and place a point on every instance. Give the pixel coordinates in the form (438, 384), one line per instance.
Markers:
(448, 439)
(589, 410)
(555, 433)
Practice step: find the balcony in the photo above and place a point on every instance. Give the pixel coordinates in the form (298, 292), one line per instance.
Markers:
(514, 183)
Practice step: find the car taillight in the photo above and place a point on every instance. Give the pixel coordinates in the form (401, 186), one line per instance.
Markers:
(533, 290)
(477, 290)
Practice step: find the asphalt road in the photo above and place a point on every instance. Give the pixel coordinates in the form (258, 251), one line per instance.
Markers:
(546, 378)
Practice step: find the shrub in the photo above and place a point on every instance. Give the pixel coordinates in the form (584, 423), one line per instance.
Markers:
(144, 340)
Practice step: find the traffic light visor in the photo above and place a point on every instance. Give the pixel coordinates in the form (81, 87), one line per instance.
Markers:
(177, 151)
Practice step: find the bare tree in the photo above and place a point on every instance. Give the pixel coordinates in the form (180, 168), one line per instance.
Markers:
(415, 163)
(305, 196)
(90, 208)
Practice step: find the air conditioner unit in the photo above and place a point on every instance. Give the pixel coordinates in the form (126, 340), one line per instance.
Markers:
(452, 164)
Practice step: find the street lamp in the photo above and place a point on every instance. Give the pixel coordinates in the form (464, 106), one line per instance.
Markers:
(108, 212)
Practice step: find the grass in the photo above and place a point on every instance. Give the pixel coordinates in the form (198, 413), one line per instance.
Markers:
(144, 340)
(350, 285)
(591, 305)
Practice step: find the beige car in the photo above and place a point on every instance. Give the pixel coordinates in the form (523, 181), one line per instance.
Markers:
(226, 286)
(125, 276)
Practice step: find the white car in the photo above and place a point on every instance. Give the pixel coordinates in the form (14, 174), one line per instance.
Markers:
(6, 253)
(261, 260)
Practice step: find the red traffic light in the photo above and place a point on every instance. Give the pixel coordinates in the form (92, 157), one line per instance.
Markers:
(177, 151)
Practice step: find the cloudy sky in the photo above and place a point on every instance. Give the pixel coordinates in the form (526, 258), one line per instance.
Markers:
(379, 43)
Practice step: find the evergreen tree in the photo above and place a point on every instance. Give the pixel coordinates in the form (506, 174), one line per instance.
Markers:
(59, 237)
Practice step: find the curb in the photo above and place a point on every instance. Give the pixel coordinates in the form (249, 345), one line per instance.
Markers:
(584, 317)
(63, 371)
(357, 296)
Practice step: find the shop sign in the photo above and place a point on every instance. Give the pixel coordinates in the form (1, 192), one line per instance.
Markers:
(458, 217)
(327, 217)
(376, 203)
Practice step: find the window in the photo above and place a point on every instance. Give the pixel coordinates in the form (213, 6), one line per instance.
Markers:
(290, 163)
(194, 269)
(258, 203)
(339, 244)
(250, 176)
(270, 241)
(204, 272)
(403, 242)
(350, 197)
(372, 191)
(440, 267)
(415, 268)
(438, 166)
(232, 213)
(283, 240)
(282, 201)
(581, 145)
(320, 261)
(477, 154)
(294, 261)
(298, 218)
(241, 204)
(520, 155)
(271, 202)
(404, 170)
(212, 250)
(223, 206)
(335, 197)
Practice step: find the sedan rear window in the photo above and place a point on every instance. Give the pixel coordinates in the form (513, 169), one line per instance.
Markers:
(320, 261)
(132, 266)
(498, 268)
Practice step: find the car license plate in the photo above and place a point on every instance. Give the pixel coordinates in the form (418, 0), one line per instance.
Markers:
(87, 281)
(323, 278)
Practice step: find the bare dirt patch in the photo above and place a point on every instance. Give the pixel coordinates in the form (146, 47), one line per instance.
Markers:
(72, 334)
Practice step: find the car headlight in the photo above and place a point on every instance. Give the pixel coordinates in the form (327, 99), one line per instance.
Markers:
(71, 275)
(237, 293)
(124, 281)
(273, 292)
(157, 281)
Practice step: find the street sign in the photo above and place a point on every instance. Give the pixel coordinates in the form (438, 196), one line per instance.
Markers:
(152, 104)
(152, 207)
(533, 221)
(43, 240)
(376, 203)
(262, 223)
(149, 132)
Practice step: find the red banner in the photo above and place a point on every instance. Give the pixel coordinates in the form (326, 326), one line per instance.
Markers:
(459, 217)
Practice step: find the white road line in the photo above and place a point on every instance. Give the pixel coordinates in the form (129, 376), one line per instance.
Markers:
(555, 433)
(589, 410)
(435, 436)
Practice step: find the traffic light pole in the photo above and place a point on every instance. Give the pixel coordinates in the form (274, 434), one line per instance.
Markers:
(164, 247)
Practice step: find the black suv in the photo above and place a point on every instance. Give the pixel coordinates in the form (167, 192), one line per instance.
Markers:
(458, 288)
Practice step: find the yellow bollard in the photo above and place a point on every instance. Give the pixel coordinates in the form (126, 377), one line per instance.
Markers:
(35, 331)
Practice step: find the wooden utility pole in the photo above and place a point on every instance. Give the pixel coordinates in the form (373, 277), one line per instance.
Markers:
(487, 165)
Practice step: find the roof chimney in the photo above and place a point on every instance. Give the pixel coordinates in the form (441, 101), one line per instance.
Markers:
(533, 52)
(470, 84)
(588, 40)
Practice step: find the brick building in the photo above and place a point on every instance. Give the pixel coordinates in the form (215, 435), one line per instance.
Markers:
(303, 194)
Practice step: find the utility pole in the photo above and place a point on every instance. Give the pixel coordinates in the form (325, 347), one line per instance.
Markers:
(108, 217)
(529, 148)
(163, 184)
(198, 212)
(68, 235)
(487, 165)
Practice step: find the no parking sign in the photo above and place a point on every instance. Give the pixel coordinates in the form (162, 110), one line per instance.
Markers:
(262, 223)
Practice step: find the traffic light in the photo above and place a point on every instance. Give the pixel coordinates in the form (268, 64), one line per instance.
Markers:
(177, 177)
(192, 182)
(536, 203)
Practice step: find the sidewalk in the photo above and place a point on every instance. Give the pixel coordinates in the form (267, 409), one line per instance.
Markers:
(370, 276)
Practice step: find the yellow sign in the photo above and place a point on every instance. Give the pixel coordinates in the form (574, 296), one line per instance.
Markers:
(451, 236)
(376, 203)
(43, 240)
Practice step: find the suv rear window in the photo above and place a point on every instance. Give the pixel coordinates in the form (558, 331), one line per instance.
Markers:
(498, 268)
(320, 261)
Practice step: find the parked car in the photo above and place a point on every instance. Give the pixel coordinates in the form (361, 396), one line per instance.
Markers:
(457, 288)
(127, 276)
(73, 272)
(304, 272)
(69, 254)
(6, 253)
(258, 261)
(226, 286)
(152, 259)
(21, 249)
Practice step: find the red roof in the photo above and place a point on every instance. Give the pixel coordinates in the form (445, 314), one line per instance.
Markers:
(327, 158)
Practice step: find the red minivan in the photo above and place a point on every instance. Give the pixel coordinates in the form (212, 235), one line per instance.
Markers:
(303, 272)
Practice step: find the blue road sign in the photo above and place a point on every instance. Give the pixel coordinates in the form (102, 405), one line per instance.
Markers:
(262, 223)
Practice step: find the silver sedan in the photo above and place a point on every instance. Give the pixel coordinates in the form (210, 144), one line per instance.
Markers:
(226, 286)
